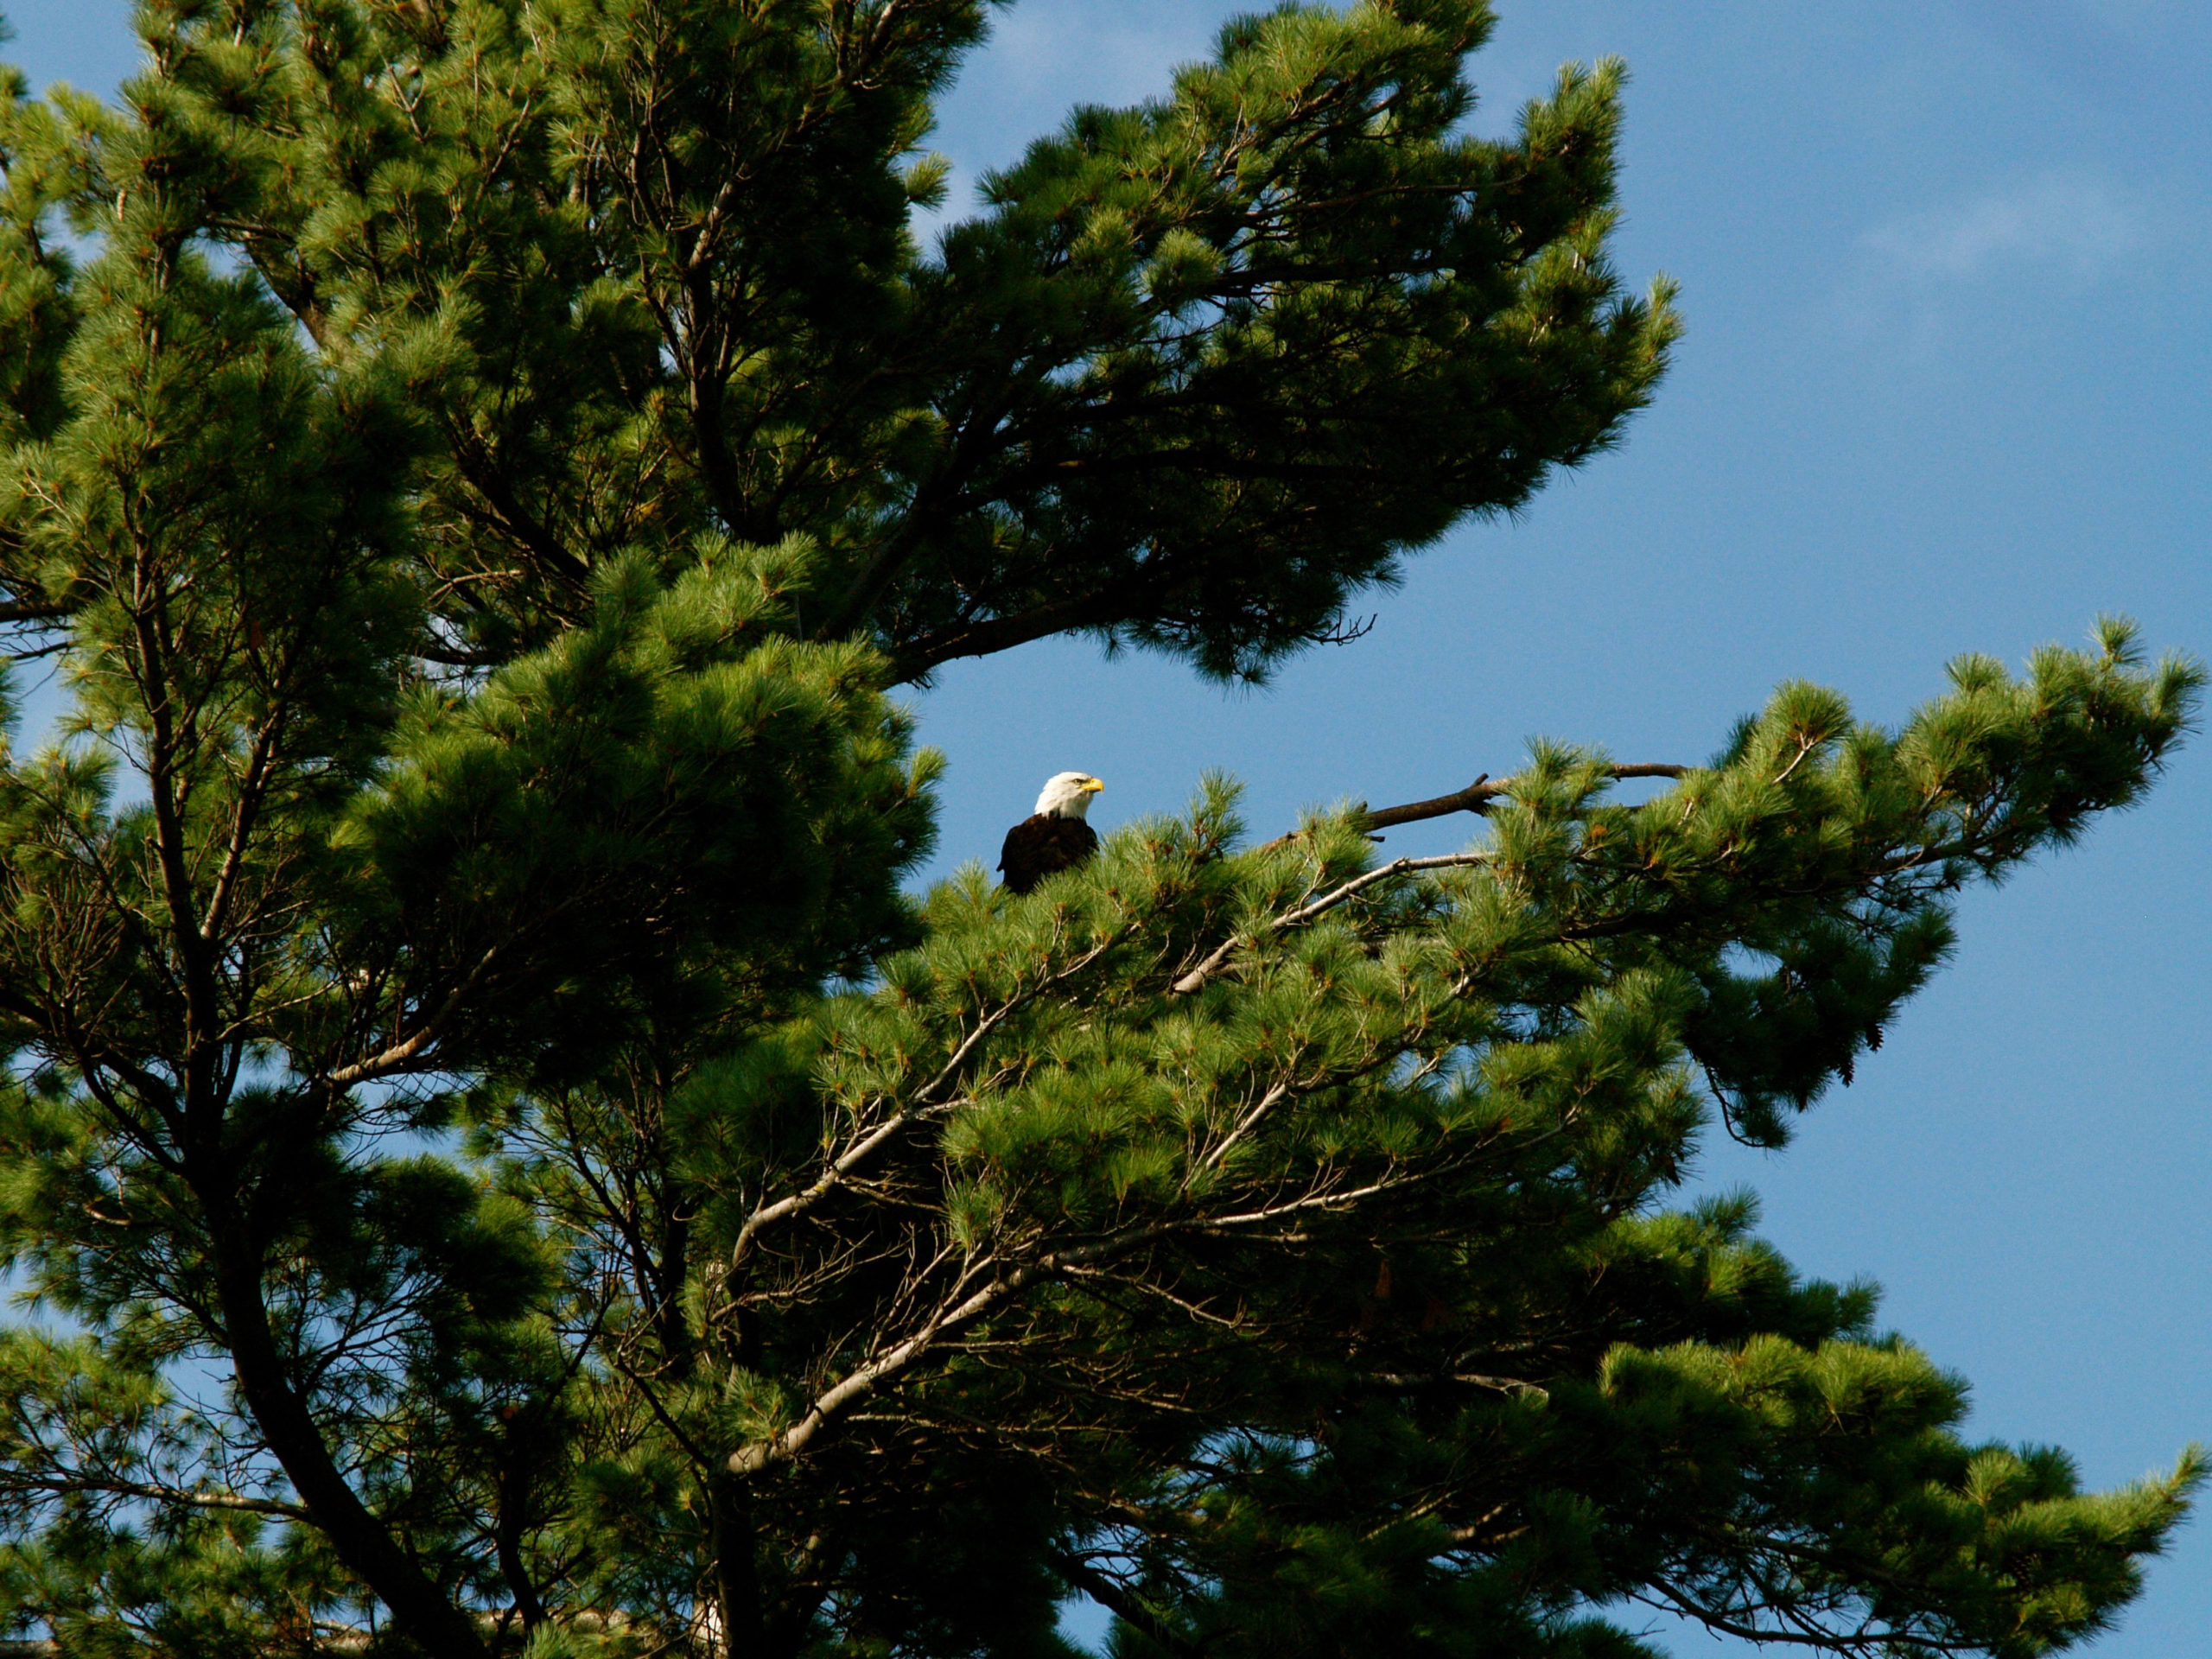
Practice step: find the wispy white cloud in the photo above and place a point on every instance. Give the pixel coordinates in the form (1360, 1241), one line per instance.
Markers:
(2070, 222)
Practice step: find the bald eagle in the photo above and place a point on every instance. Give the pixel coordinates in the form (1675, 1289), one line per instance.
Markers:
(1054, 837)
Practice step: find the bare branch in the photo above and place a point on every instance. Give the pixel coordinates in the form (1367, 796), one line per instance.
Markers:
(25, 610)
(1676, 1601)
(1003, 1287)
(1476, 797)
(930, 1094)
(412, 1046)
(1196, 979)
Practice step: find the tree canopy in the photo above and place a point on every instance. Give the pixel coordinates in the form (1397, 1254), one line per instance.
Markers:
(495, 1157)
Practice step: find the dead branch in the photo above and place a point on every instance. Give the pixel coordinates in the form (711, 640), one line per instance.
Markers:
(1476, 798)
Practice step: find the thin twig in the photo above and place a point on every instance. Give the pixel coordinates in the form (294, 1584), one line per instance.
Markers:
(1196, 979)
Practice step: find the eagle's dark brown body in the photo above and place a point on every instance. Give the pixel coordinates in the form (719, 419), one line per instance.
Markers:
(1042, 845)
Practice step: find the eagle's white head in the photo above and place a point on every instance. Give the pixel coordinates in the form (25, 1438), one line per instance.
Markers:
(1067, 795)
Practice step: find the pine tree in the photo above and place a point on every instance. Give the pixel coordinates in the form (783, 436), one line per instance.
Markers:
(495, 1157)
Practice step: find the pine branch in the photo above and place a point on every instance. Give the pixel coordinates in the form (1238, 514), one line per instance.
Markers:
(24, 610)
(932, 1093)
(1476, 797)
(1124, 1605)
(1195, 980)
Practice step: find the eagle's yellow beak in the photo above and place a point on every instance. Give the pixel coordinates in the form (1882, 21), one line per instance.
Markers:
(1091, 786)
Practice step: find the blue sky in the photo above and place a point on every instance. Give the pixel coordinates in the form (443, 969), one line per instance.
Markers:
(1944, 388)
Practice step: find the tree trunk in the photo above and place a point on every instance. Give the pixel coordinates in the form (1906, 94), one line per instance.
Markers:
(747, 1633)
(419, 1608)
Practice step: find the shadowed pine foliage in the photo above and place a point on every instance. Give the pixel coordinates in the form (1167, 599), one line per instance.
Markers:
(493, 1159)
(642, 270)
